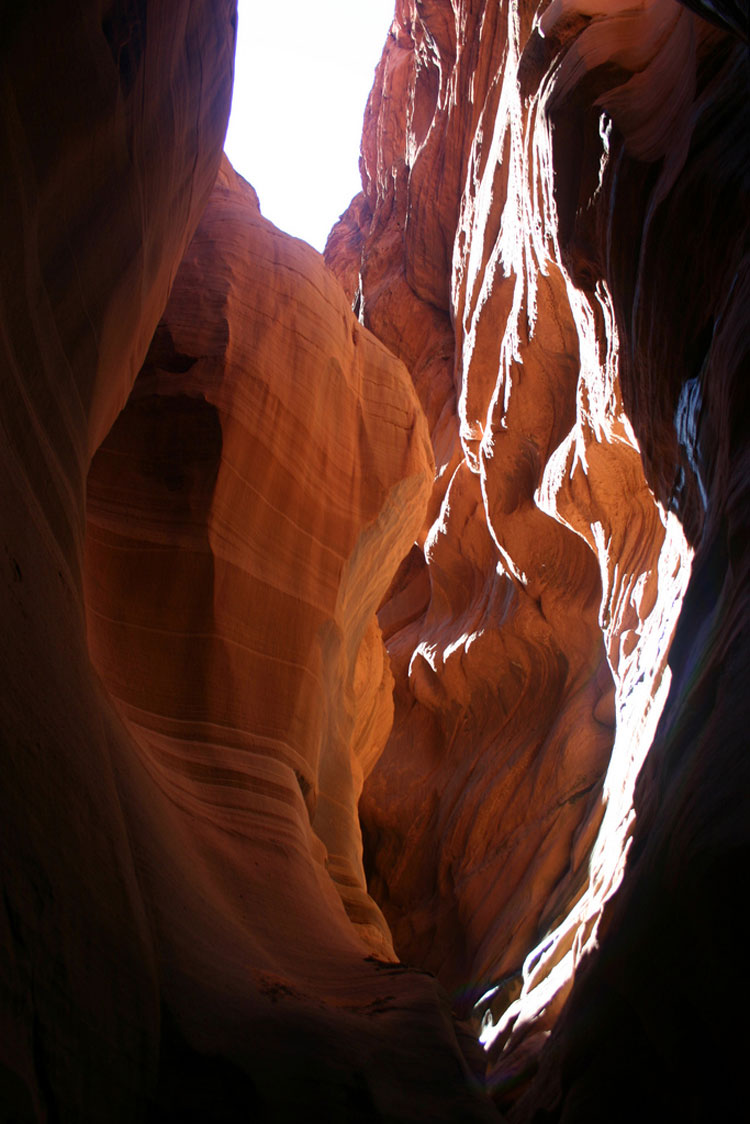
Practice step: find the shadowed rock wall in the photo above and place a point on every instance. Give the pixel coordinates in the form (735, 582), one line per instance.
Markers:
(200, 519)
(193, 682)
(111, 123)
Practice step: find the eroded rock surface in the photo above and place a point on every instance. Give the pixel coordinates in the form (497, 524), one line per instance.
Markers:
(201, 519)
(553, 235)
(245, 515)
(195, 683)
(111, 125)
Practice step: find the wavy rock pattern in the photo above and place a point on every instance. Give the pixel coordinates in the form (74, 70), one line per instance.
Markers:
(111, 127)
(252, 575)
(198, 531)
(525, 178)
(245, 515)
(197, 684)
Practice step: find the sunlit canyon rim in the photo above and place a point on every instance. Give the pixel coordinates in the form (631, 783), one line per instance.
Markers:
(374, 702)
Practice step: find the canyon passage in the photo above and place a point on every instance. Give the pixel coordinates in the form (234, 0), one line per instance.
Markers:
(373, 692)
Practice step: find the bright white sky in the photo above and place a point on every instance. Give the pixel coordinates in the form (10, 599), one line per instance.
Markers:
(303, 72)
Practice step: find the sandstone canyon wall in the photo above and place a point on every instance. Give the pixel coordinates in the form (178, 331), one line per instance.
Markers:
(245, 514)
(193, 684)
(112, 122)
(515, 429)
(553, 234)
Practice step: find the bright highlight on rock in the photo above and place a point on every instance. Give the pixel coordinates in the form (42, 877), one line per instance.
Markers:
(375, 625)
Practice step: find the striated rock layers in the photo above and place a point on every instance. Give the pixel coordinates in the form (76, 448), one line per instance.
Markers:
(553, 235)
(498, 442)
(244, 517)
(194, 684)
(111, 124)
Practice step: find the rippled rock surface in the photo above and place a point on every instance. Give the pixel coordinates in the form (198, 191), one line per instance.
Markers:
(552, 234)
(343, 715)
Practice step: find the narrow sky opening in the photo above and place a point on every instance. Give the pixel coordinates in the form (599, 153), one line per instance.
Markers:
(303, 73)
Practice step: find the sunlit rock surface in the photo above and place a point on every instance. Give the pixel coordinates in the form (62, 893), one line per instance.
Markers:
(553, 236)
(194, 683)
(245, 516)
(216, 508)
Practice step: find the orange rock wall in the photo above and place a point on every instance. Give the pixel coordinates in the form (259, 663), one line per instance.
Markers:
(526, 177)
(264, 477)
(244, 517)
(661, 990)
(111, 124)
(205, 501)
(518, 624)
(194, 684)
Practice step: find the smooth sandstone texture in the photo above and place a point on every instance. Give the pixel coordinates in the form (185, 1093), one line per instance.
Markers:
(552, 234)
(662, 989)
(552, 246)
(245, 515)
(193, 682)
(528, 633)
(111, 124)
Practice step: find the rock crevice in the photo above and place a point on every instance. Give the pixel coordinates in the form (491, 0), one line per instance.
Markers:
(341, 719)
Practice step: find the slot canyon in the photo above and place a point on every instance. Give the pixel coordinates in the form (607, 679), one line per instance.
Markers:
(375, 623)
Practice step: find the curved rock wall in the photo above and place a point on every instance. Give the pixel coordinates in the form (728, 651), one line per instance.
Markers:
(198, 531)
(111, 124)
(660, 991)
(525, 178)
(193, 681)
(245, 515)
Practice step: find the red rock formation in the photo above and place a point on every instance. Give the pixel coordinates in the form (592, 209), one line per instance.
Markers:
(661, 991)
(111, 127)
(245, 515)
(176, 827)
(194, 683)
(539, 572)
(518, 243)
